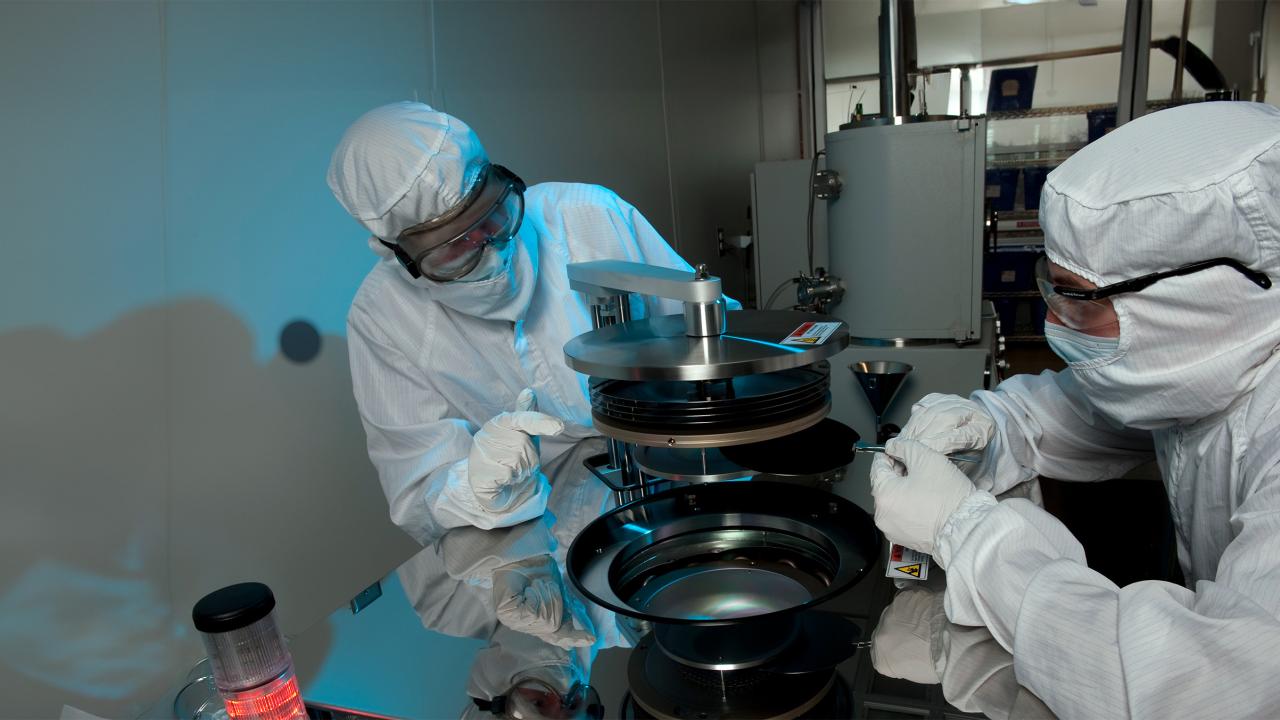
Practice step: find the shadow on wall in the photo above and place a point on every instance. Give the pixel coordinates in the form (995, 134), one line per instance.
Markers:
(150, 462)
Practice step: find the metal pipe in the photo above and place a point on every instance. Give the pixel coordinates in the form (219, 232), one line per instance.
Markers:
(1134, 61)
(997, 62)
(624, 307)
(892, 69)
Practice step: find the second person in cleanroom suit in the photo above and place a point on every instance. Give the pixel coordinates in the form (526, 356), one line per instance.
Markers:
(1162, 241)
(456, 336)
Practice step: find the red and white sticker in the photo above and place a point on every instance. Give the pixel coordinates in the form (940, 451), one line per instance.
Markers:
(811, 333)
(907, 564)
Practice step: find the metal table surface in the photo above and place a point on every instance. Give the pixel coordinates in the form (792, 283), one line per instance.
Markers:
(383, 663)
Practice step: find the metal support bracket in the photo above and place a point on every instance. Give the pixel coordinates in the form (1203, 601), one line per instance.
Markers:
(703, 299)
(1135, 58)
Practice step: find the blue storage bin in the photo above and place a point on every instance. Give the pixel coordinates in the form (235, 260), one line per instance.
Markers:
(1021, 317)
(1034, 179)
(1009, 271)
(1011, 89)
(1101, 122)
(1002, 187)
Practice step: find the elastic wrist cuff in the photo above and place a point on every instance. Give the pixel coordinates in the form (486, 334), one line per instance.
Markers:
(960, 523)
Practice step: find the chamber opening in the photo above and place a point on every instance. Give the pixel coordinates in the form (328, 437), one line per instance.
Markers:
(724, 573)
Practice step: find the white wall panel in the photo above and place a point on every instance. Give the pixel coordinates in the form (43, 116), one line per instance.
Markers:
(167, 214)
(85, 613)
(562, 91)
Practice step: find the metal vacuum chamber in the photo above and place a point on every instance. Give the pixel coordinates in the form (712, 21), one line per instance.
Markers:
(722, 564)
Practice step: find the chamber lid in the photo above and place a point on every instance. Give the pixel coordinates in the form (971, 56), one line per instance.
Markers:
(233, 607)
(753, 343)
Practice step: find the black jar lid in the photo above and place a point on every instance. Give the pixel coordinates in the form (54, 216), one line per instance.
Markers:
(233, 607)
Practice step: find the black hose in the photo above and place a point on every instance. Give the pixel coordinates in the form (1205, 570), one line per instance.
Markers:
(1200, 66)
(813, 173)
(774, 295)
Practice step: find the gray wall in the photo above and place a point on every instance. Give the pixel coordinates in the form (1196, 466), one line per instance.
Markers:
(165, 215)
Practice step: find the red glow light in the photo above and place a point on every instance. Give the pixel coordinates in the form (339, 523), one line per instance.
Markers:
(277, 700)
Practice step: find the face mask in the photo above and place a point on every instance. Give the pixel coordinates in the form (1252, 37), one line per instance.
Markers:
(500, 288)
(495, 262)
(1076, 347)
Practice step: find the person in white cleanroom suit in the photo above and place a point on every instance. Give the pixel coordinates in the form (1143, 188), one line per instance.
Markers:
(515, 671)
(518, 675)
(913, 640)
(1182, 365)
(456, 335)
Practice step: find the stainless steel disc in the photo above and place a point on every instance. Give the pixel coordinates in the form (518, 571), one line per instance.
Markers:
(711, 413)
(687, 464)
(707, 438)
(658, 349)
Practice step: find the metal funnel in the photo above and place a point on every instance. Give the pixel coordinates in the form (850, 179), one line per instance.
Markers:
(880, 380)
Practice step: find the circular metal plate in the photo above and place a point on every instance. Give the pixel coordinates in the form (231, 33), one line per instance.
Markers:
(687, 464)
(817, 449)
(636, 556)
(657, 348)
(708, 438)
(711, 394)
(680, 407)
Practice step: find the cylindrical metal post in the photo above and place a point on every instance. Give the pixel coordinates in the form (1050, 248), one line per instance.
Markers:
(891, 69)
(623, 303)
(704, 319)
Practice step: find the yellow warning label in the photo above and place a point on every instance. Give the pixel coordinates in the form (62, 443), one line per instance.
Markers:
(912, 570)
(806, 340)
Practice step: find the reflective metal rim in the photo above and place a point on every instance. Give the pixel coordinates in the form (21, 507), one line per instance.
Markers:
(710, 439)
(907, 342)
(657, 348)
(639, 531)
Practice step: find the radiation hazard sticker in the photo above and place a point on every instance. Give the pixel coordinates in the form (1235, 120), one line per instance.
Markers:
(907, 564)
(811, 333)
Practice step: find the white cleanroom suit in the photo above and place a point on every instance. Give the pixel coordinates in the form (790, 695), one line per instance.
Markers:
(439, 369)
(1194, 380)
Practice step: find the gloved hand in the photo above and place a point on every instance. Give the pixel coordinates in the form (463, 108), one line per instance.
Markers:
(915, 641)
(916, 489)
(949, 424)
(530, 597)
(504, 455)
(906, 639)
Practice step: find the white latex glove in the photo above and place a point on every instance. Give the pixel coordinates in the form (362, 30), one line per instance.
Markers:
(949, 424)
(916, 490)
(503, 463)
(906, 639)
(530, 597)
(914, 641)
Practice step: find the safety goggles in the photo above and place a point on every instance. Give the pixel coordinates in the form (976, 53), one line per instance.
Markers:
(1085, 309)
(450, 246)
(533, 699)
